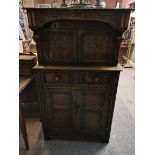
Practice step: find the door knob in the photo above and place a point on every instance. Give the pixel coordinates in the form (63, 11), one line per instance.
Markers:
(96, 79)
(57, 78)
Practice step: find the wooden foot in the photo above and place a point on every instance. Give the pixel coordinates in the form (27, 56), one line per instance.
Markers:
(23, 127)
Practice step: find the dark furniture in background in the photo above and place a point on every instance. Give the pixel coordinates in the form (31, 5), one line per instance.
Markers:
(27, 88)
(26, 62)
(77, 75)
(24, 89)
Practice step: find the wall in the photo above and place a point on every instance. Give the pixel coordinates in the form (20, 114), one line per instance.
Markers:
(122, 3)
(111, 3)
(125, 3)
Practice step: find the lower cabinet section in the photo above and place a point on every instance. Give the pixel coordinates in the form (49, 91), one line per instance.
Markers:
(80, 112)
(77, 113)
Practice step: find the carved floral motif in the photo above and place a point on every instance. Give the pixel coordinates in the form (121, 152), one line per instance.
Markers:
(60, 46)
(94, 46)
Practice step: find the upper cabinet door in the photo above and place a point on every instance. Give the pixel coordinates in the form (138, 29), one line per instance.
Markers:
(59, 43)
(98, 45)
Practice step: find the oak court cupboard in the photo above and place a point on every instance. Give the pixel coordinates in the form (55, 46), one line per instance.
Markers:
(78, 71)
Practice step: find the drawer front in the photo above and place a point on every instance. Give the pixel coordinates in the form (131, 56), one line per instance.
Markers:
(104, 79)
(58, 77)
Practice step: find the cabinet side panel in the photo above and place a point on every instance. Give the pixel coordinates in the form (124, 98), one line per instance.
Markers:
(42, 105)
(112, 105)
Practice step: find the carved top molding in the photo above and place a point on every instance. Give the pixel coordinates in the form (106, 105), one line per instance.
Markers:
(118, 19)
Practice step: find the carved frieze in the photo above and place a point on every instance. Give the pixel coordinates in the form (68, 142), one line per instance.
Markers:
(116, 19)
(108, 17)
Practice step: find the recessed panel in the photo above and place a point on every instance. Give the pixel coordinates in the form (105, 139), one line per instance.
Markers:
(91, 120)
(61, 98)
(94, 46)
(98, 47)
(60, 46)
(62, 119)
(92, 99)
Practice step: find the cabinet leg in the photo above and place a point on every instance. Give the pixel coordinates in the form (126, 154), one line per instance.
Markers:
(46, 138)
(106, 140)
(46, 133)
(23, 127)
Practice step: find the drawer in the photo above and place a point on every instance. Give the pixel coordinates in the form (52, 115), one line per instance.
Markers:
(97, 78)
(58, 77)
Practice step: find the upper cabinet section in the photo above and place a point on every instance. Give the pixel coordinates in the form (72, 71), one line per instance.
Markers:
(78, 36)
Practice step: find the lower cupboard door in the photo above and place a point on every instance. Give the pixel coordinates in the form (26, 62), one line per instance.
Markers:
(93, 111)
(60, 102)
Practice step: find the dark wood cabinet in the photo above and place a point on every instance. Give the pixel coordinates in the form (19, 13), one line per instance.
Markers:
(77, 74)
(77, 102)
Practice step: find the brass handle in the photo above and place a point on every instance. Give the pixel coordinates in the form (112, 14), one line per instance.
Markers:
(96, 79)
(57, 77)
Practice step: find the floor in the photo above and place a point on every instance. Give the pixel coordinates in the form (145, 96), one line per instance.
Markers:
(122, 140)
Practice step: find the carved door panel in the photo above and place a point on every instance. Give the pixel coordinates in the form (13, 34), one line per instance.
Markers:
(59, 46)
(97, 47)
(61, 107)
(93, 110)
